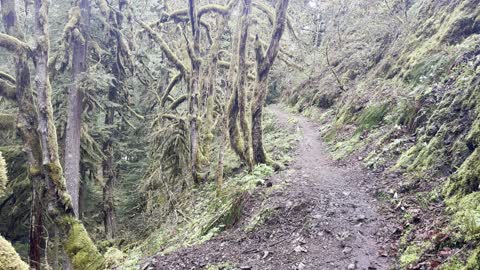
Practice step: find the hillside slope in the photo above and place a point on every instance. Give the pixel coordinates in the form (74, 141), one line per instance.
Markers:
(408, 106)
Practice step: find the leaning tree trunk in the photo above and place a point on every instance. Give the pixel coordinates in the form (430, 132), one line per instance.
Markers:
(264, 64)
(27, 125)
(75, 107)
(78, 244)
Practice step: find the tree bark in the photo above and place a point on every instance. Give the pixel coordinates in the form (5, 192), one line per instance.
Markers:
(241, 85)
(108, 170)
(264, 64)
(78, 245)
(75, 107)
(194, 82)
(238, 126)
(27, 124)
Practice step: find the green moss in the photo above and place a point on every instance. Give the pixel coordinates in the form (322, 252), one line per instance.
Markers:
(113, 257)
(79, 247)
(372, 116)
(466, 215)
(413, 253)
(467, 178)
(453, 264)
(345, 148)
(473, 262)
(429, 69)
(9, 259)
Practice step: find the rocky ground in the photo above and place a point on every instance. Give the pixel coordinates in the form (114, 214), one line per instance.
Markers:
(316, 214)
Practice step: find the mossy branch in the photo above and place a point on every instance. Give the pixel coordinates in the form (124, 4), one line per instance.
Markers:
(182, 14)
(178, 102)
(14, 45)
(270, 15)
(7, 77)
(164, 47)
(73, 22)
(176, 79)
(7, 90)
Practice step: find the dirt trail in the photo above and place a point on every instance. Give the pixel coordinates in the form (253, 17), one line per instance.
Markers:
(321, 217)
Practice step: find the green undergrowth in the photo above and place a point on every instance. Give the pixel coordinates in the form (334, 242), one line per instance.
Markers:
(412, 253)
(203, 212)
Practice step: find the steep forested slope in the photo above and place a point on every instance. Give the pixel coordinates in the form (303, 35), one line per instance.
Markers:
(401, 94)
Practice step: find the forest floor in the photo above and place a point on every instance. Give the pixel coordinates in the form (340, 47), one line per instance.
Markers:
(316, 214)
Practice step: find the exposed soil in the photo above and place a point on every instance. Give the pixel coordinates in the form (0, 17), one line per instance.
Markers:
(322, 216)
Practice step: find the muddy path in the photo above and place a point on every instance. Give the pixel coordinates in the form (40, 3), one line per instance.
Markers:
(320, 216)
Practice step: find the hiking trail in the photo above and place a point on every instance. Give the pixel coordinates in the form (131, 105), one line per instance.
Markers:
(321, 216)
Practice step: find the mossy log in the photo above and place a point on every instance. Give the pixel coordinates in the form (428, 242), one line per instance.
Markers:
(13, 44)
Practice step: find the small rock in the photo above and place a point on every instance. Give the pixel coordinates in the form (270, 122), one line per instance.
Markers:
(300, 240)
(347, 250)
(361, 218)
(352, 266)
(299, 249)
(301, 266)
(288, 204)
(245, 267)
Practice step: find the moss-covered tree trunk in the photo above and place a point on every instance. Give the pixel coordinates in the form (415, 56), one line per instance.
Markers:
(238, 125)
(79, 247)
(264, 64)
(27, 123)
(75, 105)
(193, 90)
(241, 84)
